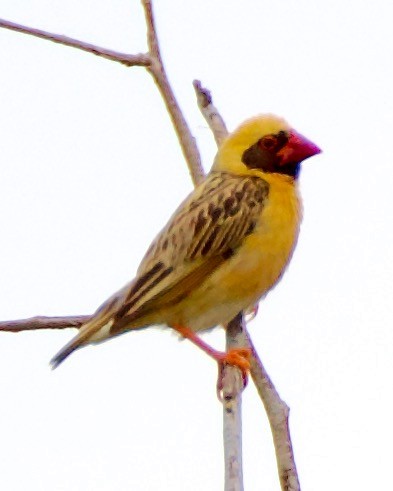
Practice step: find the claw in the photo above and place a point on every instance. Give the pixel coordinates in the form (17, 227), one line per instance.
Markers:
(237, 357)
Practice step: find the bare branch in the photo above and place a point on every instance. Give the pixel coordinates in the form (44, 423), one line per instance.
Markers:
(126, 59)
(278, 414)
(41, 322)
(157, 70)
(210, 112)
(232, 406)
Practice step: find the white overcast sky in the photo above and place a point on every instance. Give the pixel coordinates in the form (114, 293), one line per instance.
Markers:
(90, 170)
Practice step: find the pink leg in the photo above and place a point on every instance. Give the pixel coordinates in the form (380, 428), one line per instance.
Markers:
(238, 357)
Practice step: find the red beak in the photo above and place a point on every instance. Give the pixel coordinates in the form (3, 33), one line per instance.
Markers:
(297, 149)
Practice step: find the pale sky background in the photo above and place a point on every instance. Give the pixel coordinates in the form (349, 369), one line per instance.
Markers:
(91, 170)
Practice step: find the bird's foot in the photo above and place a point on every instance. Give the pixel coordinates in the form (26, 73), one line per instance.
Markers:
(236, 357)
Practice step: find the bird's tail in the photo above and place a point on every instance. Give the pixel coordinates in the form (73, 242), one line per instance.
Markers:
(94, 330)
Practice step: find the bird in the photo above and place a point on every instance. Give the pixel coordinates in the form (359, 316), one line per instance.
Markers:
(224, 248)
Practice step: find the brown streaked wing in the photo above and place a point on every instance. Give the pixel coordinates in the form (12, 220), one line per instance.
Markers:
(203, 232)
(169, 296)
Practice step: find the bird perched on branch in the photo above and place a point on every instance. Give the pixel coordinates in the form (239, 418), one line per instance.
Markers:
(223, 249)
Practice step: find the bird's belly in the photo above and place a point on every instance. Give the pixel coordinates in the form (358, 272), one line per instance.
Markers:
(234, 288)
(250, 273)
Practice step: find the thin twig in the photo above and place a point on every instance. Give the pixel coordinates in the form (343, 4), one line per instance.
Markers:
(157, 70)
(278, 413)
(210, 112)
(232, 409)
(141, 59)
(41, 322)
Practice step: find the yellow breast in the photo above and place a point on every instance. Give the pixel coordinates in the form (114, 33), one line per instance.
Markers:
(270, 248)
(257, 265)
(262, 259)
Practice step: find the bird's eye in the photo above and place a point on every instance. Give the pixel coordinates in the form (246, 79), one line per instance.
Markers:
(269, 142)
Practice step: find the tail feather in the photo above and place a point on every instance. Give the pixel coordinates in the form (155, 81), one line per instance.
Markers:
(100, 327)
(95, 330)
(64, 353)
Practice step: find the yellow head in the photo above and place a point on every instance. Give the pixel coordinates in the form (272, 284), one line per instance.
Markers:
(266, 143)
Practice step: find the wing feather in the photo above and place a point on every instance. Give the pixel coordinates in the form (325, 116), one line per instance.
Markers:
(203, 232)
